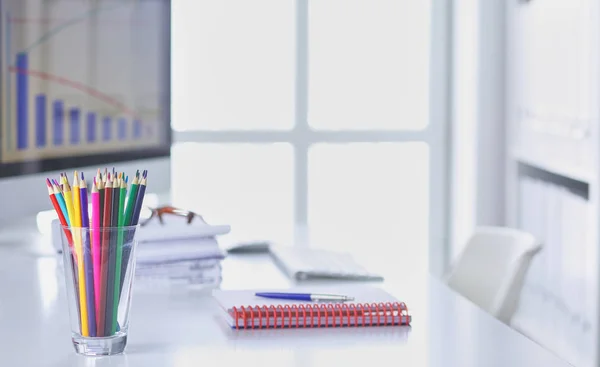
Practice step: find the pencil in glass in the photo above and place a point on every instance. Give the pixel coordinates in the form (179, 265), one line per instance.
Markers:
(135, 217)
(87, 258)
(78, 246)
(118, 253)
(104, 254)
(110, 279)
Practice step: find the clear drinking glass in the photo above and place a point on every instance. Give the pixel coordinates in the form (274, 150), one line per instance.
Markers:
(99, 271)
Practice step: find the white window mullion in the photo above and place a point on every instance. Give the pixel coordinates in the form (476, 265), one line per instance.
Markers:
(301, 117)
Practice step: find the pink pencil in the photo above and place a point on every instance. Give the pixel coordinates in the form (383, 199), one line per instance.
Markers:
(96, 248)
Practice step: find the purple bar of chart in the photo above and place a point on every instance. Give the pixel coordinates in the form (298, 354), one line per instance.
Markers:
(58, 122)
(22, 99)
(74, 115)
(137, 129)
(122, 129)
(91, 127)
(106, 128)
(40, 120)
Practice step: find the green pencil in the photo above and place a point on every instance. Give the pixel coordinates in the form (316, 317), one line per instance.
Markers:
(131, 199)
(127, 222)
(119, 254)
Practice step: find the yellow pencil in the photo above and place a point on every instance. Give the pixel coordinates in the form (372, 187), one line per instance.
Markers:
(76, 223)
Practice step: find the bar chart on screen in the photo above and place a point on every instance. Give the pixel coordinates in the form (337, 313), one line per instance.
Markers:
(80, 77)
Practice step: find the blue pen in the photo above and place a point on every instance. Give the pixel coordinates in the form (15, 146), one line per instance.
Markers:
(311, 297)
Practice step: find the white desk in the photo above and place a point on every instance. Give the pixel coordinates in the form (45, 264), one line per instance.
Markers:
(182, 328)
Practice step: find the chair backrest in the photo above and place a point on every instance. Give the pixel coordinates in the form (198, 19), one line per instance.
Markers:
(491, 269)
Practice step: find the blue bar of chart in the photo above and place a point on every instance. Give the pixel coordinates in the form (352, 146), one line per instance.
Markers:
(91, 127)
(58, 122)
(122, 129)
(22, 66)
(106, 128)
(40, 120)
(75, 125)
(137, 129)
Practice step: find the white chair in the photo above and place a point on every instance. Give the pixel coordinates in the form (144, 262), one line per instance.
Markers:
(491, 269)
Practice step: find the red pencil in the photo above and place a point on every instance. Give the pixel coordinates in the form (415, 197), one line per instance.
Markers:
(61, 217)
(106, 217)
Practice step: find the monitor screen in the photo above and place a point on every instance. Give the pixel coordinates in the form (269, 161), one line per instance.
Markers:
(83, 82)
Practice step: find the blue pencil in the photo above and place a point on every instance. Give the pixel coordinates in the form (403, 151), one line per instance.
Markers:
(137, 209)
(61, 201)
(87, 259)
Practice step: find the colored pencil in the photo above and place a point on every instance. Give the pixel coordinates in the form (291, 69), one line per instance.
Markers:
(61, 202)
(105, 249)
(76, 224)
(87, 258)
(96, 249)
(110, 288)
(59, 211)
(132, 202)
(118, 255)
(68, 196)
(137, 209)
(100, 186)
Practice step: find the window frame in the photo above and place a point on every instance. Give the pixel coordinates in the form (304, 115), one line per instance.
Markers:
(302, 136)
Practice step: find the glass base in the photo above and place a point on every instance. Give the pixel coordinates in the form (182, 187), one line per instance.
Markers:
(105, 346)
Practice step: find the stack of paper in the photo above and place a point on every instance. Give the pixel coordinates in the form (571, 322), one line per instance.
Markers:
(178, 253)
(192, 261)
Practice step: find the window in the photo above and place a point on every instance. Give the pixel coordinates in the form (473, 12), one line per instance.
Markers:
(288, 113)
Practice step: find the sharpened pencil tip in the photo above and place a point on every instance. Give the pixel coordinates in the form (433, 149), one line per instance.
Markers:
(48, 182)
(82, 176)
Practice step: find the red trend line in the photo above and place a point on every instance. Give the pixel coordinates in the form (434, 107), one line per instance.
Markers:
(76, 85)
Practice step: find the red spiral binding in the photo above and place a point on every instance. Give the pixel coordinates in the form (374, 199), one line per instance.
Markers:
(339, 314)
(390, 311)
(395, 313)
(280, 313)
(236, 317)
(355, 316)
(244, 316)
(301, 307)
(380, 311)
(361, 308)
(347, 314)
(324, 309)
(251, 310)
(318, 314)
(289, 315)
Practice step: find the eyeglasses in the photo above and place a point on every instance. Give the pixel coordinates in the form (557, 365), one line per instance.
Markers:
(171, 211)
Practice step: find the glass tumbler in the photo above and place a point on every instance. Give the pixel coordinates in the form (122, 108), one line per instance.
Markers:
(99, 271)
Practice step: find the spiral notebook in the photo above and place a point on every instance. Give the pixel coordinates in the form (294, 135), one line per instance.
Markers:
(372, 306)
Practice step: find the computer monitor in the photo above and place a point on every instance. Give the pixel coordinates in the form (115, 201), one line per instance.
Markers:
(84, 84)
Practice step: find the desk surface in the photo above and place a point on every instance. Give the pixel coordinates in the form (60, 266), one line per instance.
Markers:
(180, 327)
